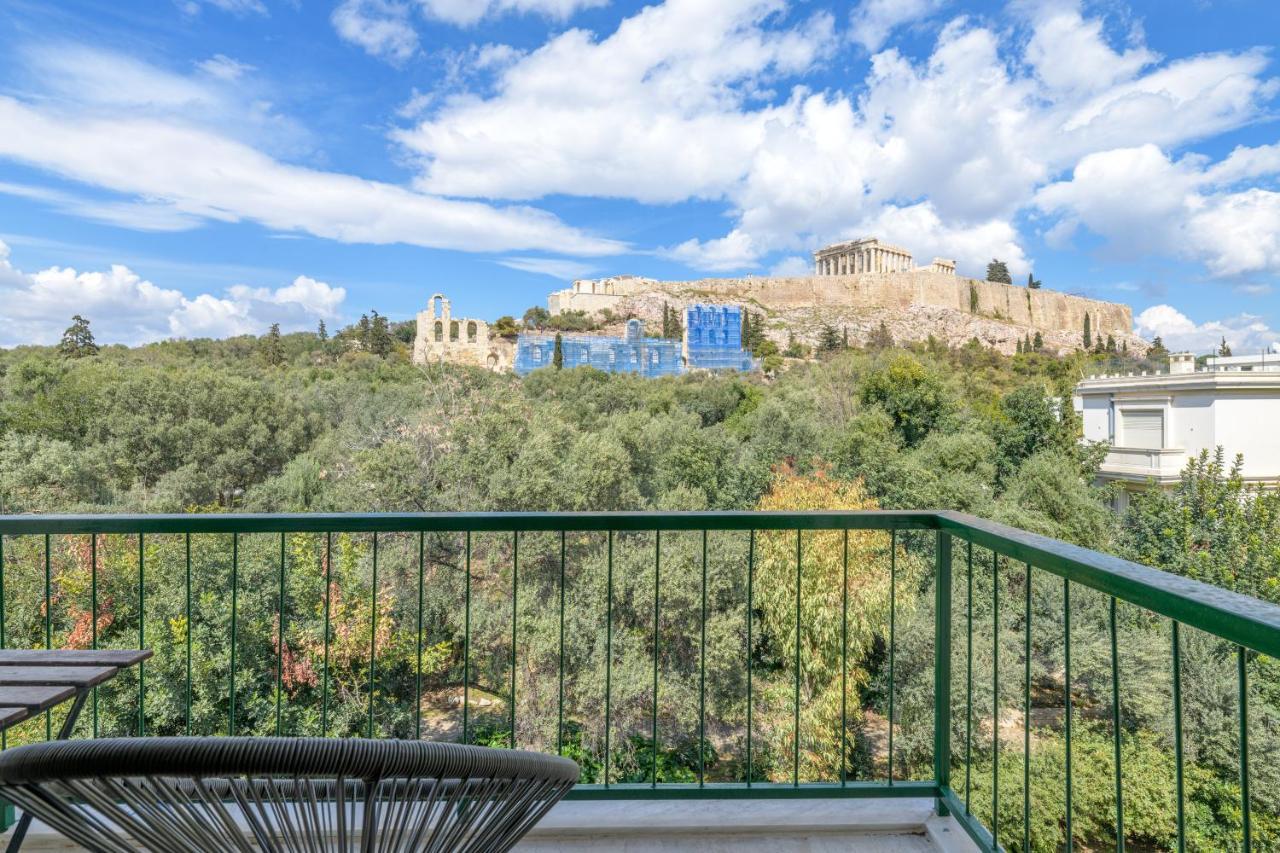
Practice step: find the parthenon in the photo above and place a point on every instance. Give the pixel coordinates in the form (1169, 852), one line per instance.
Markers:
(869, 255)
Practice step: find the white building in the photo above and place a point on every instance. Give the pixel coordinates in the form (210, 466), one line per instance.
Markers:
(1156, 423)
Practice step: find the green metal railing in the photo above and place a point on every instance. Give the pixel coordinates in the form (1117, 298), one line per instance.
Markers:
(946, 542)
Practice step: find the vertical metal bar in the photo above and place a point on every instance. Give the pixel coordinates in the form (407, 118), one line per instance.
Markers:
(893, 635)
(844, 662)
(417, 683)
(188, 613)
(608, 653)
(1177, 737)
(657, 574)
(48, 623)
(466, 645)
(373, 630)
(235, 582)
(1115, 728)
(560, 719)
(515, 613)
(795, 751)
(328, 599)
(702, 673)
(995, 700)
(1066, 629)
(751, 603)
(142, 638)
(93, 622)
(942, 666)
(280, 639)
(1245, 806)
(1026, 717)
(968, 675)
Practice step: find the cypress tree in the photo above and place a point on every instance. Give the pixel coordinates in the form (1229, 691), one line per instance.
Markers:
(1088, 332)
(321, 332)
(557, 355)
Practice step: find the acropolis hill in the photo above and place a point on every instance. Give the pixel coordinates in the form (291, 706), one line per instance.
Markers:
(914, 303)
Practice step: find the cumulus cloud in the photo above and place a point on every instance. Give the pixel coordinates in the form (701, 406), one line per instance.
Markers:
(467, 12)
(1244, 333)
(379, 27)
(126, 308)
(873, 20)
(224, 67)
(705, 101)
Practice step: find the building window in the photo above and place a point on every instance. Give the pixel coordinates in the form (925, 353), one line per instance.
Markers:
(1142, 428)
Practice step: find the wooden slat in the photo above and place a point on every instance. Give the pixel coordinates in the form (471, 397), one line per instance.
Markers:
(12, 716)
(34, 698)
(72, 676)
(73, 657)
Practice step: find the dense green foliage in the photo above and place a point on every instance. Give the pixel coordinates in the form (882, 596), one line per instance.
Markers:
(310, 423)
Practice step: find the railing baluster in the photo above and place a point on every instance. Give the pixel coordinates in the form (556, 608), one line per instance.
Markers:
(515, 615)
(93, 621)
(6, 816)
(235, 582)
(1066, 630)
(795, 747)
(844, 662)
(702, 674)
(48, 624)
(1177, 737)
(968, 675)
(657, 575)
(280, 640)
(373, 629)
(1245, 806)
(608, 652)
(328, 600)
(142, 638)
(995, 700)
(560, 706)
(1026, 717)
(942, 667)
(466, 644)
(751, 603)
(1115, 728)
(188, 613)
(893, 627)
(417, 680)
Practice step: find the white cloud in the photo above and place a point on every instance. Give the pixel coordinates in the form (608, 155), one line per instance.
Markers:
(379, 27)
(793, 265)
(1143, 202)
(224, 67)
(873, 20)
(236, 7)
(467, 12)
(561, 268)
(1245, 333)
(125, 308)
(203, 175)
(704, 101)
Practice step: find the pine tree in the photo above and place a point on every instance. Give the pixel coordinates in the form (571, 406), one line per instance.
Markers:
(321, 332)
(1019, 346)
(1111, 344)
(998, 270)
(273, 347)
(1026, 343)
(381, 343)
(1038, 343)
(77, 341)
(557, 355)
(1157, 352)
(1088, 332)
(1033, 283)
(880, 337)
(1225, 349)
(363, 329)
(828, 338)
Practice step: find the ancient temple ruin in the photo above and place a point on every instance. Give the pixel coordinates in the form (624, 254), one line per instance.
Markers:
(632, 353)
(869, 255)
(444, 338)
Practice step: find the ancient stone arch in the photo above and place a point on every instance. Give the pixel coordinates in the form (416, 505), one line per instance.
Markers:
(471, 331)
(439, 331)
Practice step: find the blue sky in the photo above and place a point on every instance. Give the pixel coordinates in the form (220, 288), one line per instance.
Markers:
(207, 167)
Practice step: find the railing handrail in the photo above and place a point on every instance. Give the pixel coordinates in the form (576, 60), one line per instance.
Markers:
(1241, 619)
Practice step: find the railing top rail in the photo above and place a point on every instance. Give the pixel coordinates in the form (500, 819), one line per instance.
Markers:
(458, 522)
(1241, 619)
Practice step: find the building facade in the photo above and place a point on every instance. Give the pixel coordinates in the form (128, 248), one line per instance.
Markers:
(712, 338)
(1156, 423)
(632, 353)
(441, 338)
(869, 255)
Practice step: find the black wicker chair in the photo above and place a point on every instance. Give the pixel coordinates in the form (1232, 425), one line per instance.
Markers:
(283, 794)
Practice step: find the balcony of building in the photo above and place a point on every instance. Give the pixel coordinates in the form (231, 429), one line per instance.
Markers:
(1143, 464)
(726, 680)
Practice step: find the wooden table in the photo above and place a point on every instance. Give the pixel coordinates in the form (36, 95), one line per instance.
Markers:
(35, 680)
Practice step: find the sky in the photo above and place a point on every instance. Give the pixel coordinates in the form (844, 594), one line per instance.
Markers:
(191, 168)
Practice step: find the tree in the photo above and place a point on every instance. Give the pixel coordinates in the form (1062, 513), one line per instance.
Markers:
(1033, 283)
(1111, 344)
(1224, 349)
(1019, 346)
(828, 339)
(77, 341)
(1157, 351)
(1037, 343)
(913, 395)
(880, 338)
(1088, 332)
(381, 343)
(321, 332)
(844, 337)
(557, 355)
(536, 317)
(273, 346)
(998, 270)
(505, 327)
(363, 332)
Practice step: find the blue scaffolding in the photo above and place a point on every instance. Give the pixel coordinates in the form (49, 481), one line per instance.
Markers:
(634, 353)
(713, 336)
